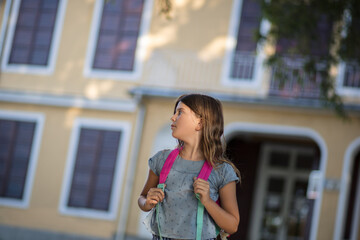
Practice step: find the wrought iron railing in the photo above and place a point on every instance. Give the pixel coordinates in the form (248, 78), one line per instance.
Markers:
(291, 80)
(243, 65)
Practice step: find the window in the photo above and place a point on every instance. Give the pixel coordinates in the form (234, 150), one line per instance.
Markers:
(95, 165)
(348, 81)
(298, 83)
(243, 61)
(33, 35)
(114, 44)
(242, 64)
(94, 169)
(19, 142)
(352, 75)
(15, 145)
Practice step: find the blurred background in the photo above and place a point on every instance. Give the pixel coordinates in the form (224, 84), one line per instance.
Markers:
(87, 89)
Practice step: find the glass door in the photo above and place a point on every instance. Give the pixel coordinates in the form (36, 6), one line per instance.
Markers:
(282, 209)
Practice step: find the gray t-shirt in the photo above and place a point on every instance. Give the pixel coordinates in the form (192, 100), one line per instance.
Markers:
(178, 210)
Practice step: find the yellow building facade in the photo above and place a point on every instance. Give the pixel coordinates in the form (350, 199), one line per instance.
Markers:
(87, 89)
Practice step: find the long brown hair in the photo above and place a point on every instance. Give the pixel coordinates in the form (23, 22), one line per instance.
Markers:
(209, 110)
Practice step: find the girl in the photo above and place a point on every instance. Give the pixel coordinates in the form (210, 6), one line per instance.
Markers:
(198, 125)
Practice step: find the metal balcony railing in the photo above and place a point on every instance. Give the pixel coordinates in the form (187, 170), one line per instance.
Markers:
(243, 65)
(294, 81)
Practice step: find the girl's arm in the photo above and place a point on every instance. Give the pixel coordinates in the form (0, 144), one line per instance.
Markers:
(150, 195)
(227, 216)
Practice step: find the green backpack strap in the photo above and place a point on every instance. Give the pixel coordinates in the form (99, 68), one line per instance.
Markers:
(162, 187)
(204, 174)
(199, 218)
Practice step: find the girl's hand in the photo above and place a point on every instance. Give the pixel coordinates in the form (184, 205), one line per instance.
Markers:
(202, 188)
(154, 196)
(150, 195)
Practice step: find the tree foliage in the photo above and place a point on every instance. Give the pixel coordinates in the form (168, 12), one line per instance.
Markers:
(299, 22)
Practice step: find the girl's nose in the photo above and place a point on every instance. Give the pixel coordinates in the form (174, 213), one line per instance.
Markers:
(173, 118)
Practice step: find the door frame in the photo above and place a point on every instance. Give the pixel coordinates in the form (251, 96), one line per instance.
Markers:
(356, 218)
(234, 128)
(263, 173)
(349, 159)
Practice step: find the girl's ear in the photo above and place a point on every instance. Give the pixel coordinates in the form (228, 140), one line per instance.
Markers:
(199, 125)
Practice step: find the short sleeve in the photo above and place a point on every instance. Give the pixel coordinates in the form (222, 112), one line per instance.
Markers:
(157, 161)
(227, 175)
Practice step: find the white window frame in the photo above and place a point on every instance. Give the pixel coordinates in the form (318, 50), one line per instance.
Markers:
(38, 119)
(348, 163)
(227, 80)
(139, 52)
(118, 179)
(27, 68)
(341, 89)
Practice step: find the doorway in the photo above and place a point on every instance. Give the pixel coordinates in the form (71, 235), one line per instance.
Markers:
(281, 206)
(272, 196)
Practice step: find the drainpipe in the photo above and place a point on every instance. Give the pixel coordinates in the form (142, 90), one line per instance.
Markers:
(120, 232)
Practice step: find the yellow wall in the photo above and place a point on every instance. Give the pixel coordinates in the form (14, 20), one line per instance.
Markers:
(43, 212)
(68, 77)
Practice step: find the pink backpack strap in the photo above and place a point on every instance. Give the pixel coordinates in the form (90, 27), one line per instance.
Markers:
(205, 171)
(167, 165)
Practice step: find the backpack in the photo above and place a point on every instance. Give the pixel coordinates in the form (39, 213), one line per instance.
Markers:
(204, 174)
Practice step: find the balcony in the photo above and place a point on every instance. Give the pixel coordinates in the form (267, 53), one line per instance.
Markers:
(243, 65)
(294, 81)
(188, 70)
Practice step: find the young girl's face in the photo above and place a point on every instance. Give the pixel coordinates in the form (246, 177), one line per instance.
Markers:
(185, 123)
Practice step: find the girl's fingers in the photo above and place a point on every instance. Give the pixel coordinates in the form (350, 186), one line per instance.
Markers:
(155, 195)
(153, 199)
(202, 188)
(153, 202)
(156, 191)
(201, 185)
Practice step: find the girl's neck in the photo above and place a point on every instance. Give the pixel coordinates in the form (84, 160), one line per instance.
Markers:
(192, 153)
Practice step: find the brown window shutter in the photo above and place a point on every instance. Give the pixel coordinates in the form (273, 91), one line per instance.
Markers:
(249, 23)
(94, 169)
(244, 57)
(319, 45)
(34, 32)
(16, 140)
(118, 34)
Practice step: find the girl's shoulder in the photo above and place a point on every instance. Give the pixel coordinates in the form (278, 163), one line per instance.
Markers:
(225, 173)
(162, 153)
(156, 162)
(224, 167)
